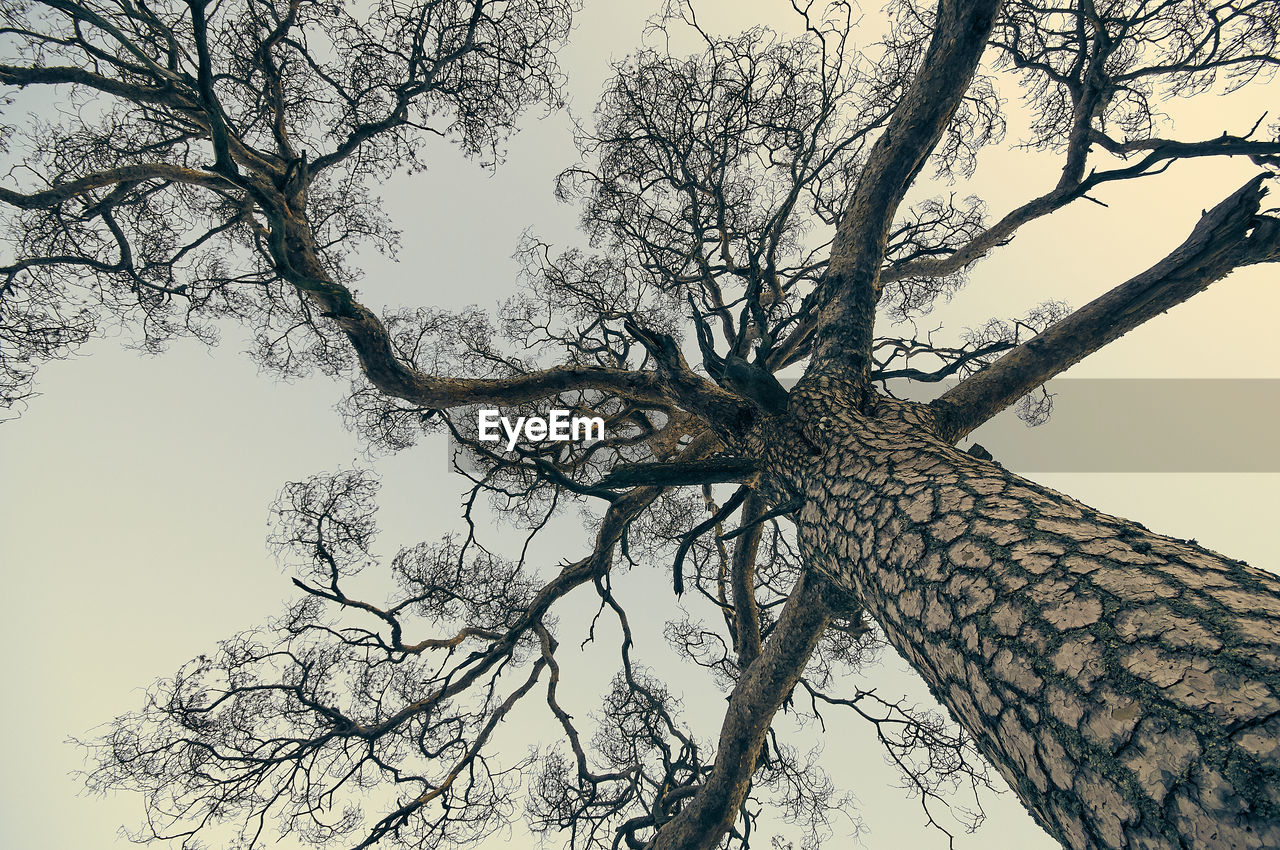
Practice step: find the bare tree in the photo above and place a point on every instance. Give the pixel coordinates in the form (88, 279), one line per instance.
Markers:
(745, 207)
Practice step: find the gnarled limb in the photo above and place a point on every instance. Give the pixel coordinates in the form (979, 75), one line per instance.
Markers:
(388, 372)
(125, 175)
(742, 579)
(680, 473)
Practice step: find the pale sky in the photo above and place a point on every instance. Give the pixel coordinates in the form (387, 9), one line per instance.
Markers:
(136, 489)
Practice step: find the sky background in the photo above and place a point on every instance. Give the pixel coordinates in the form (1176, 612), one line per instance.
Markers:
(136, 489)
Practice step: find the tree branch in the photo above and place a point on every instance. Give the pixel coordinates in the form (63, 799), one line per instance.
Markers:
(746, 614)
(384, 368)
(17, 75)
(853, 277)
(1230, 235)
(765, 685)
(55, 195)
(723, 513)
(1160, 152)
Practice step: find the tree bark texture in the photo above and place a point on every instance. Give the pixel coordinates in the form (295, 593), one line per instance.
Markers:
(1126, 684)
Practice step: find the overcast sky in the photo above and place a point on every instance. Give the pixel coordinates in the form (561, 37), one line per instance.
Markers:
(135, 490)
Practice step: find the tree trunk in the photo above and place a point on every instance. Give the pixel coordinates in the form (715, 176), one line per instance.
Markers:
(1127, 685)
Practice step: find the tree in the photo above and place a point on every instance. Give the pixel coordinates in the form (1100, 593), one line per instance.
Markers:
(746, 209)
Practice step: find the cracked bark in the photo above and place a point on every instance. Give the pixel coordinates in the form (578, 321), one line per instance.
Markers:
(1126, 684)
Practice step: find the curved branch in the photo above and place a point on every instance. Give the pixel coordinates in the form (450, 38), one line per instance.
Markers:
(297, 256)
(55, 195)
(724, 512)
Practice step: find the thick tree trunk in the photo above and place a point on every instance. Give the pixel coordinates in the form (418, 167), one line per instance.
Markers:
(1127, 685)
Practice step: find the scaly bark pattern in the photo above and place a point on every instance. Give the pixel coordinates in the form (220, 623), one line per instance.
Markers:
(1126, 684)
